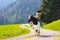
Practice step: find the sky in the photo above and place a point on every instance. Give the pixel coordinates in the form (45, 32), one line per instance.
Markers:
(4, 3)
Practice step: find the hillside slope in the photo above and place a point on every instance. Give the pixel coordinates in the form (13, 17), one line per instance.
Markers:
(53, 26)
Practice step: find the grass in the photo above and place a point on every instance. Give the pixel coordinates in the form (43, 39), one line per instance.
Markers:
(1, 39)
(12, 30)
(58, 38)
(55, 25)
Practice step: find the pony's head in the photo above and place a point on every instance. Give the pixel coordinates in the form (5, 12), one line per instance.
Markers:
(33, 19)
(30, 18)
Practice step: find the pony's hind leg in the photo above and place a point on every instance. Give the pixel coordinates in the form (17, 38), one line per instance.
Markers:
(37, 32)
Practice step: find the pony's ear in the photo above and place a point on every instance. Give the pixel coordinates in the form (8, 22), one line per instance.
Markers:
(29, 17)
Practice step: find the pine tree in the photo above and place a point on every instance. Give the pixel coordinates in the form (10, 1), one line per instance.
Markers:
(50, 10)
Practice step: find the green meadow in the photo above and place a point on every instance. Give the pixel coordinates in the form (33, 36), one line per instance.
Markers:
(12, 30)
(55, 25)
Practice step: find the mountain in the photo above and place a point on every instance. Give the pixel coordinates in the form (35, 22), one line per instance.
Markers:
(5, 3)
(18, 11)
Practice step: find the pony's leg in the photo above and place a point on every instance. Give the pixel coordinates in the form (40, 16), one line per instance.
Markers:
(37, 31)
(34, 30)
(34, 27)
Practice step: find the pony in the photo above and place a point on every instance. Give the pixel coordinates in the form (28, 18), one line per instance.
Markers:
(36, 24)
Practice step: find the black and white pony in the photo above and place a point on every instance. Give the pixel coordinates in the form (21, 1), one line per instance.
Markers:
(35, 23)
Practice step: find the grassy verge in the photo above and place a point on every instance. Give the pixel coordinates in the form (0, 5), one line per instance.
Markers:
(58, 38)
(53, 26)
(12, 30)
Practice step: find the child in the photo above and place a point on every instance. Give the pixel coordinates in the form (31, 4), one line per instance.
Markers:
(39, 17)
